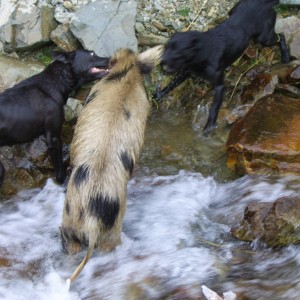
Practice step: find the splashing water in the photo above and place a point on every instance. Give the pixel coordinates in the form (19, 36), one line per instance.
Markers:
(176, 234)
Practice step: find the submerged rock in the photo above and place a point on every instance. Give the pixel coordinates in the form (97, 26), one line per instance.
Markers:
(267, 139)
(276, 224)
(28, 165)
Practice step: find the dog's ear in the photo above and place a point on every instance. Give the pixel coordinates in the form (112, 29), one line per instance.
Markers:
(65, 57)
(150, 58)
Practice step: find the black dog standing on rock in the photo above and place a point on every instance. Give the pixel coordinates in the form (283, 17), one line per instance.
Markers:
(35, 106)
(208, 54)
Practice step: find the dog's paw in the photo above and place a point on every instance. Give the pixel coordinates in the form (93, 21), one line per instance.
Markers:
(285, 59)
(208, 129)
(60, 176)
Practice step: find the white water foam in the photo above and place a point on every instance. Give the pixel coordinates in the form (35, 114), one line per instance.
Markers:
(158, 241)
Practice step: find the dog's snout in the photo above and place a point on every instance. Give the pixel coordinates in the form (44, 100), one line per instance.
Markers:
(104, 61)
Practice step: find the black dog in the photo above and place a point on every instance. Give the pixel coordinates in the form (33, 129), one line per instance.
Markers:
(35, 106)
(208, 54)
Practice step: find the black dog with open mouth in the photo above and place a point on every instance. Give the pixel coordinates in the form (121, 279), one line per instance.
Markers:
(208, 54)
(35, 106)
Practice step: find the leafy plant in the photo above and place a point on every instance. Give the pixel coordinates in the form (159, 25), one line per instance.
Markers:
(184, 12)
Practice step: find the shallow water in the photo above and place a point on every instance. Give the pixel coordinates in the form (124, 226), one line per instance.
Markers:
(176, 234)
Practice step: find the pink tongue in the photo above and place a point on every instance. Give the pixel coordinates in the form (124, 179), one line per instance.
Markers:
(95, 70)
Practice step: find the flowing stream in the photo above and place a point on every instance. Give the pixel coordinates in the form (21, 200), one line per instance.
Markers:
(182, 203)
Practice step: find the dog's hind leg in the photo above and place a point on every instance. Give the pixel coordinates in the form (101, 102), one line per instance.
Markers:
(2, 173)
(285, 56)
(269, 37)
(216, 104)
(273, 39)
(179, 78)
(55, 152)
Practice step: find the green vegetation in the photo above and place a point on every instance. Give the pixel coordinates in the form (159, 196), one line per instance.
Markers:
(44, 55)
(283, 9)
(184, 12)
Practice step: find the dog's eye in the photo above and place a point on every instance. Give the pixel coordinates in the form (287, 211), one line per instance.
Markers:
(92, 53)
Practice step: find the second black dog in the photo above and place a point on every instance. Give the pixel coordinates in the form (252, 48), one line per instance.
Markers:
(208, 54)
(35, 106)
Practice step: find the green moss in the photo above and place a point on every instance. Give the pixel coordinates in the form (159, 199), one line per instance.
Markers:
(44, 55)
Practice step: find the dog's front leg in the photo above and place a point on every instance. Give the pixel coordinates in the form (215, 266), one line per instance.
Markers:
(177, 80)
(55, 152)
(216, 104)
(2, 173)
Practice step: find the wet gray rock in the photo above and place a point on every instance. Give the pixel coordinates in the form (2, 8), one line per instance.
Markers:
(72, 108)
(26, 166)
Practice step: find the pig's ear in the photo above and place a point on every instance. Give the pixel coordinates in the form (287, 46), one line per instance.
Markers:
(150, 58)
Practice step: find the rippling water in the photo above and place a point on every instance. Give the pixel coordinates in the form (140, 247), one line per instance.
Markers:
(176, 234)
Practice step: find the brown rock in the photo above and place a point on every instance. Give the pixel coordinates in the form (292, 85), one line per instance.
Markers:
(267, 138)
(287, 73)
(276, 224)
(64, 38)
(289, 90)
(262, 85)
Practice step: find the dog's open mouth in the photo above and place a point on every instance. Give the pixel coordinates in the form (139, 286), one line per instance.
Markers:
(100, 71)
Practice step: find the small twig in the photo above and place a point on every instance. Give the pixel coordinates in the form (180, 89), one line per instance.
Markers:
(155, 102)
(210, 243)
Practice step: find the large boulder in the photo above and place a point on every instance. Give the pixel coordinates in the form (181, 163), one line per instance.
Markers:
(267, 139)
(105, 28)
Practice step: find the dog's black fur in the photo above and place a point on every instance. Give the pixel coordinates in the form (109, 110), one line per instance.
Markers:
(208, 54)
(35, 106)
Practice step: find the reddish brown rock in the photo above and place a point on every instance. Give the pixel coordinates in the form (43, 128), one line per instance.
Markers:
(267, 138)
